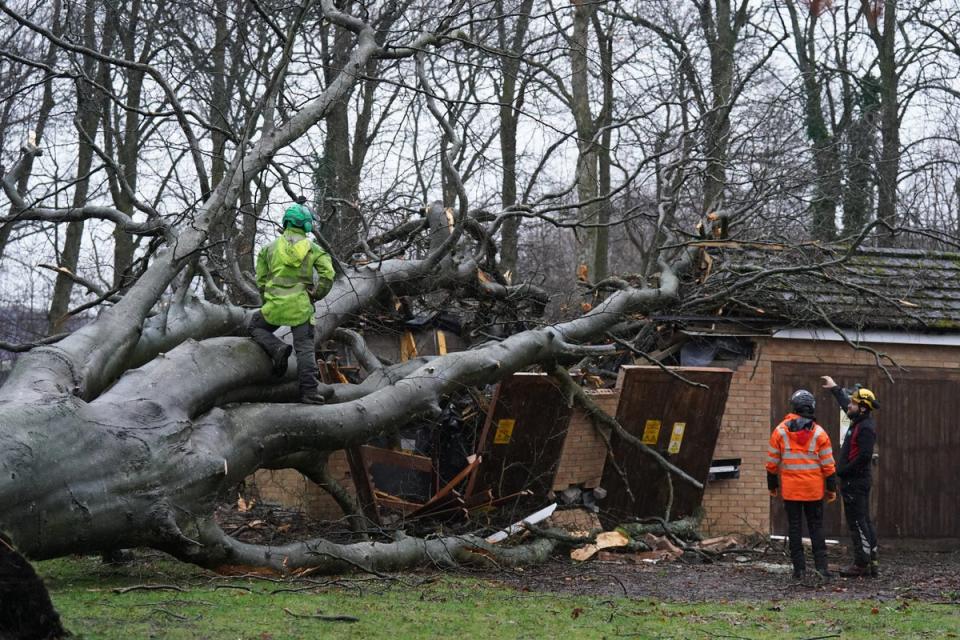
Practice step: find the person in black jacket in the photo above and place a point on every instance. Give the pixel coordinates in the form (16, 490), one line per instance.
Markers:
(853, 470)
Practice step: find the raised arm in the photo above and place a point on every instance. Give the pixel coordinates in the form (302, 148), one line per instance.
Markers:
(839, 393)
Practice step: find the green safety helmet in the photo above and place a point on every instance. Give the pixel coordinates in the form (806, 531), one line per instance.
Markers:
(298, 215)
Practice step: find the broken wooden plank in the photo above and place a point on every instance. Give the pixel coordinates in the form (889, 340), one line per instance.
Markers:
(516, 527)
(440, 496)
(513, 496)
(481, 498)
(389, 457)
(450, 500)
(453, 507)
(484, 432)
(362, 484)
(393, 502)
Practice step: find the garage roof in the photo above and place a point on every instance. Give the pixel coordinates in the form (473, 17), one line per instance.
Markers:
(871, 288)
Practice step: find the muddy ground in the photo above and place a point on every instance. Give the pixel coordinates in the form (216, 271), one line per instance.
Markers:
(929, 576)
(758, 570)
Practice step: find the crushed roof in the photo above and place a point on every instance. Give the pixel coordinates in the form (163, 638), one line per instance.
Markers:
(872, 288)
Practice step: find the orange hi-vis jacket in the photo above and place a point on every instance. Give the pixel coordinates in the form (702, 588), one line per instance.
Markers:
(803, 458)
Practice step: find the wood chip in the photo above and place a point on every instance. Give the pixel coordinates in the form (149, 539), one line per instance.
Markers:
(605, 540)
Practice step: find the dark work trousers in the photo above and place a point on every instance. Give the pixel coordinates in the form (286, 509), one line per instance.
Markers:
(262, 333)
(813, 509)
(856, 508)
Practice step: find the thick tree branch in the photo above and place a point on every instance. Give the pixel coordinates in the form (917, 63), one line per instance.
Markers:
(325, 557)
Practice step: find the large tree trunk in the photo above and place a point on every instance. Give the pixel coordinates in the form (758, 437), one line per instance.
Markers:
(858, 196)
(826, 160)
(605, 120)
(130, 142)
(587, 169)
(888, 162)
(721, 37)
(511, 98)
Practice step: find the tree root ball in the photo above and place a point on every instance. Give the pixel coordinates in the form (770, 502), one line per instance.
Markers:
(26, 612)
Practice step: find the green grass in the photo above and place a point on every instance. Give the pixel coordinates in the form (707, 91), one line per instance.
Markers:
(83, 590)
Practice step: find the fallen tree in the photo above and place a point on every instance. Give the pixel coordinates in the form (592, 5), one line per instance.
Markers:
(131, 430)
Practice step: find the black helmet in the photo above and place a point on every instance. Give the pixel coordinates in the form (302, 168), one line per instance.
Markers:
(802, 400)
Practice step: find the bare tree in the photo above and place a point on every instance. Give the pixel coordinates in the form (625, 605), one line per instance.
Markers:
(90, 105)
(823, 144)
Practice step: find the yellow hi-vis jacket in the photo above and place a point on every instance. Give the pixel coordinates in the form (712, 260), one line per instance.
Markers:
(804, 458)
(285, 269)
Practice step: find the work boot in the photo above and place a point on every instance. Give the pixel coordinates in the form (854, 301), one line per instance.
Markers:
(799, 572)
(822, 568)
(280, 360)
(312, 397)
(855, 571)
(874, 564)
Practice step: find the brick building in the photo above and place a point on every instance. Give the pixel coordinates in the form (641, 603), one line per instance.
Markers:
(911, 325)
(897, 307)
(916, 475)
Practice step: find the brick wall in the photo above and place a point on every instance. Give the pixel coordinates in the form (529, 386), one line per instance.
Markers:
(584, 450)
(742, 505)
(288, 488)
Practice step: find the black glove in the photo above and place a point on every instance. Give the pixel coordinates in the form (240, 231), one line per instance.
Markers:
(832, 482)
(773, 481)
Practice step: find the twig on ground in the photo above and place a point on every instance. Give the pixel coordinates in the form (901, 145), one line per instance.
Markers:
(169, 613)
(317, 616)
(233, 586)
(150, 587)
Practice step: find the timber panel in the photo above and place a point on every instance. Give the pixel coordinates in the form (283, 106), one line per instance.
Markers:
(649, 393)
(916, 478)
(523, 454)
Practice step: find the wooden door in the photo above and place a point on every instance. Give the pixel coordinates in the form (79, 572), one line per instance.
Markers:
(679, 420)
(916, 475)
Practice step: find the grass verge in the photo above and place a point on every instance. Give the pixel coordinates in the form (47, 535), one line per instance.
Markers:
(170, 600)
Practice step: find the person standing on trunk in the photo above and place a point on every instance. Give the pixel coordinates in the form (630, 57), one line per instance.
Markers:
(853, 469)
(799, 466)
(285, 278)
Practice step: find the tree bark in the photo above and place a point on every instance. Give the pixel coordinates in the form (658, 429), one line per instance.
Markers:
(604, 121)
(511, 99)
(888, 162)
(587, 167)
(826, 160)
(721, 39)
(858, 197)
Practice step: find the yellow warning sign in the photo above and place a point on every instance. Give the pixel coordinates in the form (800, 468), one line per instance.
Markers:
(504, 431)
(651, 432)
(676, 437)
